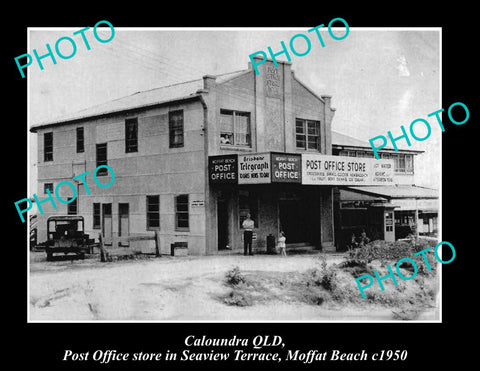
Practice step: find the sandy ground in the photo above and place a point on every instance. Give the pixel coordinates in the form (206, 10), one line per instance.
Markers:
(171, 289)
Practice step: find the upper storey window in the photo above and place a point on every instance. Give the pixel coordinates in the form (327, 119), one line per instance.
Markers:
(175, 125)
(48, 146)
(307, 134)
(235, 128)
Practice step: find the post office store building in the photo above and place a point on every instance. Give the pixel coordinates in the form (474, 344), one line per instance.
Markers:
(161, 143)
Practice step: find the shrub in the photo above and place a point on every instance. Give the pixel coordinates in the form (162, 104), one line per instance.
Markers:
(347, 294)
(329, 281)
(384, 251)
(360, 256)
(314, 277)
(234, 276)
(421, 244)
(323, 276)
(356, 268)
(323, 262)
(237, 299)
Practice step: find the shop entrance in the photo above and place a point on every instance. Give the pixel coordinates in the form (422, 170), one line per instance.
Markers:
(222, 223)
(292, 220)
(299, 217)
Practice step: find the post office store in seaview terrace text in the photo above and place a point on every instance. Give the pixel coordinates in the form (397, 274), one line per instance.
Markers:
(191, 160)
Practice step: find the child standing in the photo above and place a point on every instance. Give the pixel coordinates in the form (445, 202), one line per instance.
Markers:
(281, 244)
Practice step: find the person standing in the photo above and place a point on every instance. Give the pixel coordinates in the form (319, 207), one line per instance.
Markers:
(248, 225)
(282, 244)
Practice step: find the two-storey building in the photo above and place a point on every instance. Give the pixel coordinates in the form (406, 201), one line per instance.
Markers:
(191, 160)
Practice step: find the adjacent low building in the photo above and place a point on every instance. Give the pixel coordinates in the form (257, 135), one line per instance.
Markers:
(191, 160)
(413, 210)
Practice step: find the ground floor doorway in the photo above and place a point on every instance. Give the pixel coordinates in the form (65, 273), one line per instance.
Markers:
(107, 223)
(222, 223)
(295, 210)
(292, 219)
(299, 216)
(123, 224)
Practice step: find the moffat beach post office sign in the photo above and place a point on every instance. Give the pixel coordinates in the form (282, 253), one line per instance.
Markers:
(305, 168)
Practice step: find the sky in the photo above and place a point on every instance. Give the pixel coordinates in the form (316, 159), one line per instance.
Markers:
(379, 79)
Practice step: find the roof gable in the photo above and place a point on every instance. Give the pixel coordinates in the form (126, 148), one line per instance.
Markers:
(225, 77)
(302, 85)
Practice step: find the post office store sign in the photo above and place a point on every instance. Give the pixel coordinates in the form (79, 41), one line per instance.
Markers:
(343, 170)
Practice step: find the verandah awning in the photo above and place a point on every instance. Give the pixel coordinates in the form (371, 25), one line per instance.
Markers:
(398, 191)
(404, 197)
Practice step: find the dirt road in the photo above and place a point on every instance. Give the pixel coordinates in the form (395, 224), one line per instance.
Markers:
(170, 289)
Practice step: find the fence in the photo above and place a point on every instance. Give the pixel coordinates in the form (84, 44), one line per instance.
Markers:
(104, 254)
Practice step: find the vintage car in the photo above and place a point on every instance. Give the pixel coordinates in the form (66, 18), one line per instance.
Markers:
(65, 234)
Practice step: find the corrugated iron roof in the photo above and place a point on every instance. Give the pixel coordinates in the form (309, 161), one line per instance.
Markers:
(137, 100)
(141, 99)
(343, 140)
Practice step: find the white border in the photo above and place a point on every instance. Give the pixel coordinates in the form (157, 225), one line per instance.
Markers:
(121, 29)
